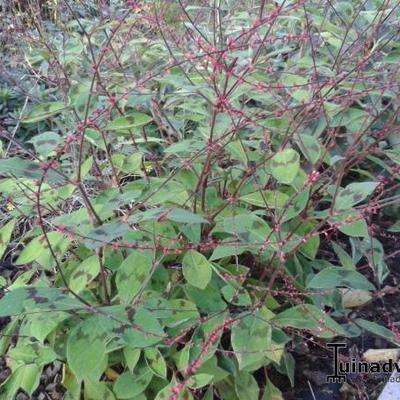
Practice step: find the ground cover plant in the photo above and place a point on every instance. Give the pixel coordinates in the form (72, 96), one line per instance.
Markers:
(193, 191)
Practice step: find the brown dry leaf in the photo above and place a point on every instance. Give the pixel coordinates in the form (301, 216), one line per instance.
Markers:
(379, 355)
(111, 374)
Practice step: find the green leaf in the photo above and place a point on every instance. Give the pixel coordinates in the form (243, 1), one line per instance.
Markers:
(310, 147)
(37, 249)
(46, 142)
(340, 277)
(266, 198)
(285, 165)
(271, 392)
(248, 227)
(132, 274)
(350, 223)
(81, 98)
(246, 386)
(222, 251)
(378, 330)
(43, 111)
(129, 384)
(147, 333)
(86, 350)
(31, 354)
(5, 235)
(310, 317)
(40, 326)
(34, 299)
(134, 120)
(353, 194)
(84, 273)
(178, 311)
(251, 339)
(184, 216)
(288, 366)
(395, 227)
(207, 300)
(196, 269)
(105, 233)
(344, 258)
(131, 356)
(156, 362)
(20, 168)
(165, 393)
(97, 391)
(25, 377)
(199, 380)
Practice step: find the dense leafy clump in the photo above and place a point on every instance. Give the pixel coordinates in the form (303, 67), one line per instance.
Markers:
(191, 190)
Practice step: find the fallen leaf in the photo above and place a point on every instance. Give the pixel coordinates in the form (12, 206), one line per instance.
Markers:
(379, 355)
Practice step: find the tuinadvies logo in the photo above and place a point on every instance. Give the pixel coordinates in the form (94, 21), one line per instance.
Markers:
(342, 368)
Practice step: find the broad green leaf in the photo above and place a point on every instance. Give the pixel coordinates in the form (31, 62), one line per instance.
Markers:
(129, 385)
(196, 269)
(177, 311)
(310, 147)
(353, 194)
(81, 98)
(344, 258)
(134, 120)
(184, 216)
(105, 233)
(20, 168)
(199, 380)
(226, 388)
(351, 223)
(208, 300)
(227, 250)
(131, 356)
(249, 228)
(25, 377)
(237, 152)
(40, 326)
(288, 366)
(246, 386)
(310, 317)
(31, 354)
(84, 273)
(271, 392)
(340, 277)
(133, 273)
(37, 249)
(34, 299)
(236, 296)
(86, 350)
(285, 165)
(165, 393)
(156, 362)
(5, 235)
(395, 227)
(43, 111)
(378, 330)
(147, 331)
(97, 391)
(251, 339)
(266, 198)
(46, 142)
